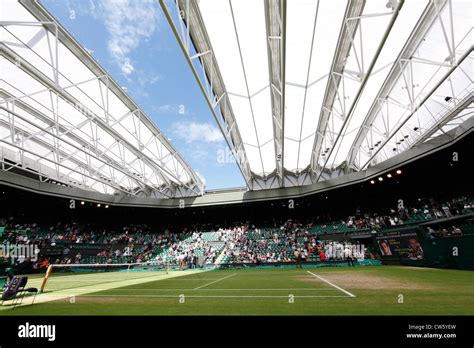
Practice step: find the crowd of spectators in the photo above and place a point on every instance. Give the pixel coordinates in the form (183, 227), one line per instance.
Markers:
(424, 210)
(453, 231)
(290, 241)
(186, 251)
(241, 243)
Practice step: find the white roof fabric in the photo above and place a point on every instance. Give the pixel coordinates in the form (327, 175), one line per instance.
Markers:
(63, 117)
(359, 76)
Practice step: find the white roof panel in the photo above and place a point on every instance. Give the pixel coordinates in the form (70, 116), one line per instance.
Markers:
(349, 79)
(76, 121)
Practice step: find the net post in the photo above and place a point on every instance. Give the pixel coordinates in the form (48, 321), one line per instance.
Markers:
(46, 276)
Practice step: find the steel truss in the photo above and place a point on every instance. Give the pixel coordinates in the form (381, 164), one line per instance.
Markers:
(403, 69)
(275, 22)
(190, 31)
(160, 173)
(335, 102)
(461, 101)
(191, 36)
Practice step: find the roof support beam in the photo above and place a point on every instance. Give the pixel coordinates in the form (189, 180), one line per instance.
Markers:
(275, 20)
(64, 37)
(365, 74)
(451, 114)
(344, 44)
(426, 21)
(92, 175)
(93, 151)
(192, 183)
(212, 85)
(427, 96)
(35, 73)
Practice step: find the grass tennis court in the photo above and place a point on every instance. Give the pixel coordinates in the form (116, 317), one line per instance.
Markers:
(278, 291)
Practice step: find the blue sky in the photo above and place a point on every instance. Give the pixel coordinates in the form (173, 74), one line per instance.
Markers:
(132, 40)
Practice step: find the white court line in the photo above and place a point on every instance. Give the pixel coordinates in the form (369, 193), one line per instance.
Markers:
(337, 287)
(212, 296)
(60, 294)
(164, 289)
(103, 281)
(215, 281)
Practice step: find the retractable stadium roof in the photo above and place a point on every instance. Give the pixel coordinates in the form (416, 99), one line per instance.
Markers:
(64, 120)
(307, 90)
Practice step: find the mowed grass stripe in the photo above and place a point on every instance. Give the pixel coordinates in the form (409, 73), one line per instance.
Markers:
(78, 281)
(223, 292)
(65, 292)
(426, 292)
(294, 279)
(224, 281)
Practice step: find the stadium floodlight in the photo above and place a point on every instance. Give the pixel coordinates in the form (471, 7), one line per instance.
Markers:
(372, 182)
(380, 178)
(399, 171)
(389, 175)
